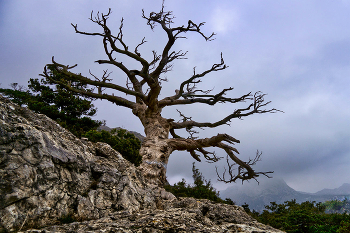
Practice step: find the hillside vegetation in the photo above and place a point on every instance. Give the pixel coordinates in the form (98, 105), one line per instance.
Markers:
(306, 217)
(201, 189)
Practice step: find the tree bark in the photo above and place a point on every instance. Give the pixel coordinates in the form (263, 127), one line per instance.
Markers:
(155, 150)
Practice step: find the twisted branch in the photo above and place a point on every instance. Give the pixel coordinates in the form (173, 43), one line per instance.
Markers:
(244, 170)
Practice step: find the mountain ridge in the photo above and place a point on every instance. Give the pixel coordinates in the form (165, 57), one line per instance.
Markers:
(257, 196)
(342, 190)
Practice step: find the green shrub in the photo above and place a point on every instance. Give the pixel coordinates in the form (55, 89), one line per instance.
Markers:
(122, 141)
(202, 189)
(306, 217)
(336, 205)
(344, 227)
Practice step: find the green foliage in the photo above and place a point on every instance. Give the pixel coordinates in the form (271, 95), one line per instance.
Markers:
(17, 94)
(202, 189)
(336, 206)
(304, 217)
(69, 110)
(344, 227)
(122, 141)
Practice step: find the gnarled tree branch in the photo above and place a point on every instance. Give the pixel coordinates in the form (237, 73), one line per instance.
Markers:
(244, 170)
(225, 142)
(66, 77)
(253, 108)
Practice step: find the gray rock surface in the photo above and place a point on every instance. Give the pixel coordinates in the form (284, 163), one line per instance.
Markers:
(47, 174)
(49, 177)
(179, 215)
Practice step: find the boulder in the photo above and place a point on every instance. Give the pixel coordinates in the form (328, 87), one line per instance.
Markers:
(51, 181)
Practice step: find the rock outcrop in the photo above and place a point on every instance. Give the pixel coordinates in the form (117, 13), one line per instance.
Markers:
(52, 181)
(47, 174)
(179, 215)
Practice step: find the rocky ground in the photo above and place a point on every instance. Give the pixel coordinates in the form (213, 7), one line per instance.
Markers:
(182, 215)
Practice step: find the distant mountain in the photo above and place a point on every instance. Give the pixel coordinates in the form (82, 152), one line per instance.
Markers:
(276, 190)
(344, 189)
(260, 195)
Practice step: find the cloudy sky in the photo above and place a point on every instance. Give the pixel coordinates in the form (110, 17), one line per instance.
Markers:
(298, 52)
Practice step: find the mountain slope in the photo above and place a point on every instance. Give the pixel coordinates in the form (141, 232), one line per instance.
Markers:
(259, 195)
(342, 190)
(276, 190)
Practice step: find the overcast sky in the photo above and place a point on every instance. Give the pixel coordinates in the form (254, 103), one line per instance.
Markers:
(298, 52)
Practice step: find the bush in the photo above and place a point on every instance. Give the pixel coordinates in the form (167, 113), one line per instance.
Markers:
(336, 206)
(202, 189)
(122, 141)
(306, 217)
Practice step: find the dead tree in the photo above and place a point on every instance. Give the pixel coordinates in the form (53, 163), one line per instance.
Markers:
(145, 87)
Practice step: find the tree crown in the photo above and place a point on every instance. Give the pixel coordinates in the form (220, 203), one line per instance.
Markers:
(144, 85)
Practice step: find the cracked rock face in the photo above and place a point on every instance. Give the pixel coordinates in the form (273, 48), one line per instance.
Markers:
(47, 174)
(51, 181)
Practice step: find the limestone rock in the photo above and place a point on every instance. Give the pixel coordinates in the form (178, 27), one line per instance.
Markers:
(51, 181)
(182, 215)
(47, 174)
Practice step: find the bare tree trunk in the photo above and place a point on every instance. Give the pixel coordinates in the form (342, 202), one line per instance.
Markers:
(155, 150)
